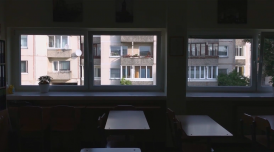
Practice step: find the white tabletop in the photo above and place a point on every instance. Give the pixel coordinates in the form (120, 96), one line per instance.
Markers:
(201, 125)
(126, 120)
(110, 150)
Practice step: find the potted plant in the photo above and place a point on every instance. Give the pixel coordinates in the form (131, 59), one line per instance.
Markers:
(44, 82)
(127, 56)
(135, 55)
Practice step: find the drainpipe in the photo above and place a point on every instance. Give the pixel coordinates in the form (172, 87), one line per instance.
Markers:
(34, 62)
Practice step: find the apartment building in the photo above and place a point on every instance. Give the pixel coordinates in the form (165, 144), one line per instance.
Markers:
(209, 57)
(115, 57)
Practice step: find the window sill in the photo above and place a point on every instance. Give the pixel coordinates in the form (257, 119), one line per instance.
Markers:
(228, 95)
(87, 96)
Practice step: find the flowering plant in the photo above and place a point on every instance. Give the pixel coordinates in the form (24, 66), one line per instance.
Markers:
(44, 79)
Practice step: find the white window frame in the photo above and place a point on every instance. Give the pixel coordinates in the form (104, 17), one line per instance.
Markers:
(222, 69)
(15, 58)
(62, 47)
(115, 77)
(226, 34)
(121, 51)
(130, 67)
(211, 71)
(26, 67)
(25, 47)
(226, 51)
(58, 66)
(97, 67)
(200, 73)
(238, 68)
(237, 51)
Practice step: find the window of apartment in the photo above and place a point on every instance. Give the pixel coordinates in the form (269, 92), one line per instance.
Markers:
(126, 71)
(240, 69)
(223, 51)
(97, 72)
(143, 71)
(61, 66)
(239, 51)
(118, 51)
(97, 50)
(24, 41)
(115, 73)
(58, 41)
(145, 50)
(222, 71)
(205, 62)
(24, 66)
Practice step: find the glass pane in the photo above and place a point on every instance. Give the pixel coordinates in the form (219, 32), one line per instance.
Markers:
(23, 67)
(57, 41)
(197, 72)
(133, 55)
(64, 68)
(218, 56)
(24, 41)
(114, 73)
(65, 42)
(268, 62)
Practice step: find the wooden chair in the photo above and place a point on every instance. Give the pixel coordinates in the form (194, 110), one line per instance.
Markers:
(263, 135)
(31, 124)
(184, 143)
(63, 123)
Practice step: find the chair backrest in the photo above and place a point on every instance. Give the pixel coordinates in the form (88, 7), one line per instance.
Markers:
(247, 124)
(262, 123)
(30, 118)
(62, 118)
(102, 121)
(124, 107)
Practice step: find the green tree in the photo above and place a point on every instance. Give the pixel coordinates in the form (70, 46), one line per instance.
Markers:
(232, 79)
(123, 81)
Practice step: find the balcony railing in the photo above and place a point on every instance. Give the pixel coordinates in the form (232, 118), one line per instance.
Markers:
(66, 75)
(58, 53)
(137, 39)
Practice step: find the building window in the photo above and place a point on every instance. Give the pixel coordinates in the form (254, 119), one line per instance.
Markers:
(117, 51)
(24, 66)
(239, 51)
(143, 72)
(223, 51)
(61, 66)
(24, 41)
(97, 50)
(145, 51)
(126, 71)
(115, 73)
(58, 41)
(222, 71)
(202, 49)
(240, 69)
(196, 72)
(97, 72)
(211, 72)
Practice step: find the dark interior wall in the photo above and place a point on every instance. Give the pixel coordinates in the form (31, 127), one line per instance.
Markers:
(174, 15)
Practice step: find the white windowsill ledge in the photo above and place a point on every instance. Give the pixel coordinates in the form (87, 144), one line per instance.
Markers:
(87, 96)
(228, 95)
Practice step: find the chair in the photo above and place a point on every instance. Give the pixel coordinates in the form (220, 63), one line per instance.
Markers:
(101, 127)
(184, 143)
(31, 124)
(171, 118)
(263, 136)
(63, 123)
(247, 125)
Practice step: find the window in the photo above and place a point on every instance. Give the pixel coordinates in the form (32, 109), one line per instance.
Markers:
(209, 57)
(114, 73)
(103, 73)
(24, 41)
(145, 50)
(223, 51)
(222, 71)
(24, 66)
(58, 41)
(118, 51)
(239, 51)
(61, 66)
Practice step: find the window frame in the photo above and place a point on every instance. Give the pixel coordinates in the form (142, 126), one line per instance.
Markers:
(26, 67)
(24, 47)
(58, 66)
(15, 76)
(61, 42)
(223, 56)
(226, 34)
(144, 46)
(115, 78)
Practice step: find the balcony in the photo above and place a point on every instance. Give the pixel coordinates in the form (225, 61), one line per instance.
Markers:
(137, 61)
(59, 53)
(60, 75)
(137, 39)
(240, 61)
(203, 61)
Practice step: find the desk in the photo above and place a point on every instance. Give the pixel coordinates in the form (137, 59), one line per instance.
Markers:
(110, 150)
(201, 126)
(126, 120)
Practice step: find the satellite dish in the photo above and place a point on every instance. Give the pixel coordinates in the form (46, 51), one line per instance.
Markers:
(78, 52)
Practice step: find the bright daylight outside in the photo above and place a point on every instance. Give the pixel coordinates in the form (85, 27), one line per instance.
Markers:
(219, 62)
(58, 56)
(124, 59)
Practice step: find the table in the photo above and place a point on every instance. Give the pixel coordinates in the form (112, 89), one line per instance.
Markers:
(110, 150)
(126, 120)
(201, 126)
